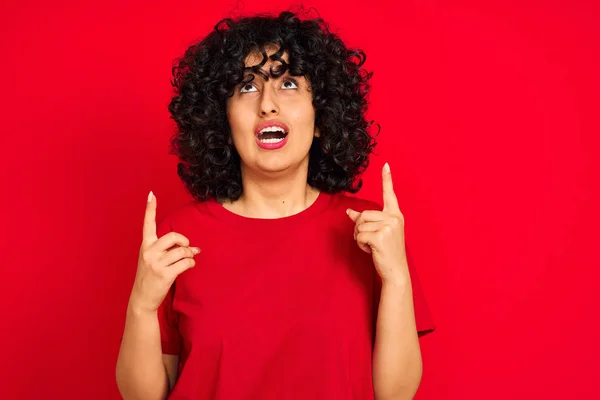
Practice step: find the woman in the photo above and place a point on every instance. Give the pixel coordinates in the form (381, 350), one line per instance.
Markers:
(272, 283)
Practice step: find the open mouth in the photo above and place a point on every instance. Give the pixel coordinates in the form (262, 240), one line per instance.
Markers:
(272, 134)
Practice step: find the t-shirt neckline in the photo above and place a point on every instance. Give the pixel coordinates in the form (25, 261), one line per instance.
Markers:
(316, 208)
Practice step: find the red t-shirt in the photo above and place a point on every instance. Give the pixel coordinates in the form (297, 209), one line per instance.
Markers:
(275, 308)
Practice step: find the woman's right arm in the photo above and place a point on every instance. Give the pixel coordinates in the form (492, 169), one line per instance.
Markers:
(143, 372)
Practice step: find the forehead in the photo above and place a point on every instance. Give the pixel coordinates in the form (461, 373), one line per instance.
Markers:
(255, 57)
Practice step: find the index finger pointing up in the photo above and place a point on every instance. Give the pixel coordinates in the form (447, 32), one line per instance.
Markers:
(149, 231)
(390, 202)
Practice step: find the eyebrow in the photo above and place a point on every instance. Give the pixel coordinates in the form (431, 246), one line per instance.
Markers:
(249, 71)
(266, 76)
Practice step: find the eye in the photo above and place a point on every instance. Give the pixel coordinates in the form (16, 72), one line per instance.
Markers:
(247, 88)
(290, 83)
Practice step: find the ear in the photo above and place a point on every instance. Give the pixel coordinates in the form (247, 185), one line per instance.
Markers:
(317, 133)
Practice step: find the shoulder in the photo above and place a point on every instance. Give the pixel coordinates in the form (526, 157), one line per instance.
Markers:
(344, 201)
(183, 215)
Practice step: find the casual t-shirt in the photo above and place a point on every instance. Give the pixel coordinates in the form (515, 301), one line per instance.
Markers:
(275, 308)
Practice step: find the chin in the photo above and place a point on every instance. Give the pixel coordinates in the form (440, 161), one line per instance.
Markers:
(274, 168)
(277, 164)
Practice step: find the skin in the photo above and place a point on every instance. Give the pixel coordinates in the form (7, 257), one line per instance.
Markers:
(142, 371)
(274, 181)
(397, 364)
(275, 185)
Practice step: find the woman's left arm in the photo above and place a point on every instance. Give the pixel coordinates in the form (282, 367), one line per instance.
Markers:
(397, 365)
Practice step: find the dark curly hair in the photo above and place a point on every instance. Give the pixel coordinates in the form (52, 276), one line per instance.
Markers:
(209, 71)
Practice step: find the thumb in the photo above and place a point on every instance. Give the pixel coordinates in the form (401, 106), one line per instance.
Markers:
(353, 214)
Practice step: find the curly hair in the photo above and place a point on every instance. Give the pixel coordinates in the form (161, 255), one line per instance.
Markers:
(209, 71)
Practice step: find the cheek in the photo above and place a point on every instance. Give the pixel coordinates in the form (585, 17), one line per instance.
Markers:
(237, 120)
(304, 116)
(308, 122)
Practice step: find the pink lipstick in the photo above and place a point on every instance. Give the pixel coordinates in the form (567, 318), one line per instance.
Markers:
(271, 135)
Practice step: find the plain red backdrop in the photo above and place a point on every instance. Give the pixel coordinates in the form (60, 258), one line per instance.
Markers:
(489, 120)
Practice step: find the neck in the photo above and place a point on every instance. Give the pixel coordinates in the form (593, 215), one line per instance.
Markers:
(267, 196)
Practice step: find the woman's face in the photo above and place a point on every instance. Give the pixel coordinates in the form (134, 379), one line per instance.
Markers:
(272, 122)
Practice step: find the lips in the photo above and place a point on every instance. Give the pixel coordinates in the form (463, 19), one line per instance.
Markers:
(270, 140)
(267, 124)
(275, 145)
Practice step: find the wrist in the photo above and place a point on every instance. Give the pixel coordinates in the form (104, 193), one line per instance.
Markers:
(399, 280)
(139, 309)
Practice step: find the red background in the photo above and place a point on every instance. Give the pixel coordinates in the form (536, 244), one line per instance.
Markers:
(489, 121)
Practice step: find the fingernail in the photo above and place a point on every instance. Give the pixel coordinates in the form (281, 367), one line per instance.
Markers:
(150, 196)
(347, 211)
(387, 167)
(195, 250)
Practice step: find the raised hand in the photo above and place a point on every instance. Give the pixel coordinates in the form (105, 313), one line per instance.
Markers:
(160, 261)
(381, 233)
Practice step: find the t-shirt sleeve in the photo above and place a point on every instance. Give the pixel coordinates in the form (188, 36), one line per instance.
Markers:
(423, 318)
(168, 318)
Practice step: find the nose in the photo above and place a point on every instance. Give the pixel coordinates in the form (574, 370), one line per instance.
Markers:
(268, 103)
